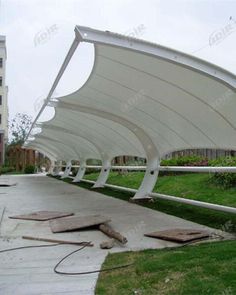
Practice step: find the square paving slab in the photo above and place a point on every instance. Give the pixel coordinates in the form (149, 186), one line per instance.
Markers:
(75, 223)
(42, 215)
(179, 235)
(30, 271)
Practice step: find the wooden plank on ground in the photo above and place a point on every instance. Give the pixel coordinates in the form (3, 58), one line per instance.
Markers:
(179, 235)
(74, 223)
(42, 215)
(49, 240)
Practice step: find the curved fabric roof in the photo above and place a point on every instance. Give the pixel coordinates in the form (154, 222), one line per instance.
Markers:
(141, 99)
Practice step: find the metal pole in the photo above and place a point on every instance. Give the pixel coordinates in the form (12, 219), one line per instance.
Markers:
(197, 169)
(58, 77)
(174, 199)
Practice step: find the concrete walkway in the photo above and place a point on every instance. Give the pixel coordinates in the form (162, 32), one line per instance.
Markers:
(30, 271)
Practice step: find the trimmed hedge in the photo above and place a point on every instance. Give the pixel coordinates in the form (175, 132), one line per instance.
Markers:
(185, 161)
(30, 169)
(182, 161)
(224, 179)
(5, 169)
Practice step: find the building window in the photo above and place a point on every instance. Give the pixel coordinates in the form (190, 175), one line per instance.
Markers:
(0, 81)
(0, 100)
(1, 63)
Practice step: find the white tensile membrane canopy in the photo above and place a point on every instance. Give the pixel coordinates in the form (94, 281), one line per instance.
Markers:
(141, 99)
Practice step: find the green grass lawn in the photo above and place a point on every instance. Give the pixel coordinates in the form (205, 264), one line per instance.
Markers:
(208, 268)
(201, 269)
(194, 186)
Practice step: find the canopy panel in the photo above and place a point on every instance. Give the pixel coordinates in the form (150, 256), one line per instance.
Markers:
(141, 99)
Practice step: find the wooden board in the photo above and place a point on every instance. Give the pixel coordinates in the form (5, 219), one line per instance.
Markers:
(74, 223)
(49, 240)
(179, 235)
(42, 215)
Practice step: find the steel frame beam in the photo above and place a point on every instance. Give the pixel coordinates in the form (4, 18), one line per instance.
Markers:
(83, 34)
(152, 154)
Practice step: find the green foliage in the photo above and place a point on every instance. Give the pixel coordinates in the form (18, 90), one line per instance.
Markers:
(185, 161)
(5, 169)
(203, 269)
(136, 162)
(224, 179)
(30, 169)
(19, 128)
(194, 186)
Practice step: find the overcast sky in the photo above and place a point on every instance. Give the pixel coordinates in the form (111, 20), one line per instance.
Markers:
(40, 32)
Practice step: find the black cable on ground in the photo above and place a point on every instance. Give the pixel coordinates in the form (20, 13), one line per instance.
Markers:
(65, 257)
(27, 247)
(85, 272)
(81, 248)
(197, 242)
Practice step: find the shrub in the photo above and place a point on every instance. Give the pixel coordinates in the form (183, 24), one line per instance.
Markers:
(5, 169)
(224, 179)
(29, 169)
(185, 161)
(182, 161)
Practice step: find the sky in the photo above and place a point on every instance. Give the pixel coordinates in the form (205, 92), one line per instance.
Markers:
(40, 32)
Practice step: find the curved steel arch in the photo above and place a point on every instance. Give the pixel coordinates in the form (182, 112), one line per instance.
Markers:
(53, 145)
(97, 129)
(49, 149)
(83, 151)
(68, 131)
(152, 154)
(181, 80)
(43, 150)
(75, 153)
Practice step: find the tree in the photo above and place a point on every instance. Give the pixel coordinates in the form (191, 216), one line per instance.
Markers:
(19, 127)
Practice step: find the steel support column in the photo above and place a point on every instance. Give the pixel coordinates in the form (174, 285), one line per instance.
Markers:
(81, 171)
(57, 169)
(103, 176)
(149, 147)
(67, 170)
(149, 179)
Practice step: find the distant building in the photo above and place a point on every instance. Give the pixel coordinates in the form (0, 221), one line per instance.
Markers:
(3, 100)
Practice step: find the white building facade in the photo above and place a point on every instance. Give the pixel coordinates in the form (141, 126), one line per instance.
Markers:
(3, 100)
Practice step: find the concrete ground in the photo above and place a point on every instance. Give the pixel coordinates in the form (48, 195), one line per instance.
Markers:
(30, 271)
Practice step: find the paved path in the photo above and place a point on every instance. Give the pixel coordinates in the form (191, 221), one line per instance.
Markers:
(30, 271)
